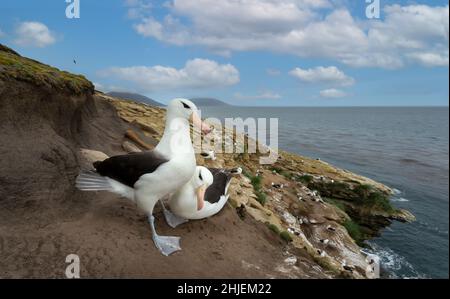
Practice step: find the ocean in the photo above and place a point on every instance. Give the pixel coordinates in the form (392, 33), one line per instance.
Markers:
(404, 148)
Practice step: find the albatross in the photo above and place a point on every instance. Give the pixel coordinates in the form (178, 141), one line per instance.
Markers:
(147, 177)
(202, 197)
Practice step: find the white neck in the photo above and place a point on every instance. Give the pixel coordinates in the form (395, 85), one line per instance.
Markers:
(176, 139)
(187, 191)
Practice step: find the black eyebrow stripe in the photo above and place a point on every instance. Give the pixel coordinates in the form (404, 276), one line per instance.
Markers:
(185, 105)
(200, 175)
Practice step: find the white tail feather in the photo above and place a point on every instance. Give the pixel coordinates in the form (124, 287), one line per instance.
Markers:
(92, 181)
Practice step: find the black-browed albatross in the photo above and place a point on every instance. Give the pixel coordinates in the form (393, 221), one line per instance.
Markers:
(202, 197)
(149, 176)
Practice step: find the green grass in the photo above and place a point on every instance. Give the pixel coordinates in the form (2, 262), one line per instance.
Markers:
(256, 182)
(246, 172)
(337, 186)
(285, 235)
(261, 197)
(335, 203)
(276, 169)
(287, 174)
(14, 66)
(306, 178)
(274, 228)
(363, 190)
(379, 200)
(354, 230)
(374, 198)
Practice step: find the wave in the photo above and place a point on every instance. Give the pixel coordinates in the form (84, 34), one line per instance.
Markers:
(395, 265)
(399, 199)
(396, 196)
(396, 191)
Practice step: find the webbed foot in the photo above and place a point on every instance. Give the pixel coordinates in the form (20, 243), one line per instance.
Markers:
(172, 219)
(165, 244)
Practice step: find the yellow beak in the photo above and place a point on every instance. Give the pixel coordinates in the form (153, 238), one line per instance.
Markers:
(200, 197)
(199, 124)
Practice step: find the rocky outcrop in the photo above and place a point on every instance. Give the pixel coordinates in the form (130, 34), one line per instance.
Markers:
(294, 219)
(326, 211)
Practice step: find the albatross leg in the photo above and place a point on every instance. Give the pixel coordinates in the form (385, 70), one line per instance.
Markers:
(172, 219)
(165, 244)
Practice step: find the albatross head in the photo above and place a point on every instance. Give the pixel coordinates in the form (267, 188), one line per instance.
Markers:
(186, 109)
(201, 180)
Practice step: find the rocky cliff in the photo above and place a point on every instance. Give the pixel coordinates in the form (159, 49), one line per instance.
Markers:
(298, 218)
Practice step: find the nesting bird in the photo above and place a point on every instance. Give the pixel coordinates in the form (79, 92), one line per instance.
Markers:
(330, 228)
(202, 197)
(347, 267)
(321, 253)
(277, 186)
(209, 155)
(324, 241)
(313, 221)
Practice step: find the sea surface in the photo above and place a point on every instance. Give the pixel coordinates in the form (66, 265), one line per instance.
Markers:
(404, 148)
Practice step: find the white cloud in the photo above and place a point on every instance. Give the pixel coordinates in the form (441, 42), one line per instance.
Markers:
(99, 86)
(150, 28)
(304, 28)
(197, 73)
(430, 59)
(414, 31)
(324, 75)
(267, 95)
(332, 93)
(34, 34)
(138, 8)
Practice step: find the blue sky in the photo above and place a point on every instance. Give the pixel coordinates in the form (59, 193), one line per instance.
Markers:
(247, 52)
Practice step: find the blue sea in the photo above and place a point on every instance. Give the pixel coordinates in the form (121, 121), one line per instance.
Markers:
(404, 148)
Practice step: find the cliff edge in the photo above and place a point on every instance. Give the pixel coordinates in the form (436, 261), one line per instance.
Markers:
(53, 124)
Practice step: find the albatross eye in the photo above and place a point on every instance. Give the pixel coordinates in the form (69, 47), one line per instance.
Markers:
(200, 176)
(185, 105)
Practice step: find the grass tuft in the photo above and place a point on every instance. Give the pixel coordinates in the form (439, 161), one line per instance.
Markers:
(261, 197)
(273, 228)
(305, 179)
(285, 235)
(256, 182)
(354, 230)
(335, 203)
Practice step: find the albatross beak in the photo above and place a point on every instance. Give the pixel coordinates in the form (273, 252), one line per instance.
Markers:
(200, 197)
(196, 120)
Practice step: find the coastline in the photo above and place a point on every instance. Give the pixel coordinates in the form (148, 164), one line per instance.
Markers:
(318, 202)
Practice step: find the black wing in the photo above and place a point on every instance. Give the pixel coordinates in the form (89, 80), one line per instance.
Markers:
(127, 169)
(222, 178)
